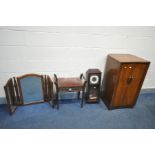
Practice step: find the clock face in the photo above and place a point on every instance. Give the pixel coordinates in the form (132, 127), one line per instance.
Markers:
(94, 79)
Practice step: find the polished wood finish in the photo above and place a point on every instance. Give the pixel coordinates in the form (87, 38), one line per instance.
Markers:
(64, 83)
(10, 96)
(48, 90)
(18, 101)
(93, 90)
(122, 81)
(69, 85)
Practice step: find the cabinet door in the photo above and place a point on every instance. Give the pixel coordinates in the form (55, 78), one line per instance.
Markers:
(121, 86)
(134, 83)
(129, 84)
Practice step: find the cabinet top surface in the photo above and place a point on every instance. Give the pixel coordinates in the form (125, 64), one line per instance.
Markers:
(127, 58)
(94, 70)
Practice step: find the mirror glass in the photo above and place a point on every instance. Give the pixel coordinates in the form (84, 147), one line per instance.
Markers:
(31, 88)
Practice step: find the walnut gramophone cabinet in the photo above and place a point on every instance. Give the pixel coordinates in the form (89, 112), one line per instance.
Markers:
(123, 78)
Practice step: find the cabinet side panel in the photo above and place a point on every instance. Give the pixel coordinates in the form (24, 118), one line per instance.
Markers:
(110, 79)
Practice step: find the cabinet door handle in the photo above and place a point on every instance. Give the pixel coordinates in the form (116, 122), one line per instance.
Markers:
(129, 80)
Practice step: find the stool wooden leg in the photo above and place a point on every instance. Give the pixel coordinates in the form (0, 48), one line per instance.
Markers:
(83, 93)
(82, 99)
(53, 104)
(57, 100)
(78, 95)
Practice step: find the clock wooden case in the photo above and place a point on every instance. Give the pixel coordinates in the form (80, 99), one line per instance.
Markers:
(123, 79)
(93, 78)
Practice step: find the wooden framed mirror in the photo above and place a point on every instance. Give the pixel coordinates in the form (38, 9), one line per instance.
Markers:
(28, 89)
(31, 88)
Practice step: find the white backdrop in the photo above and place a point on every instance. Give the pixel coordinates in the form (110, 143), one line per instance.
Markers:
(69, 51)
